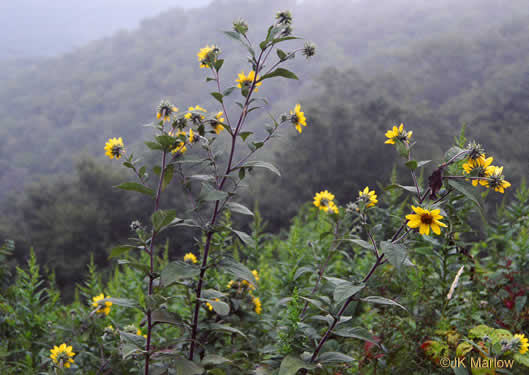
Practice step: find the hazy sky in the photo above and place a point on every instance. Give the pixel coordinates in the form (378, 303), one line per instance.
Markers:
(50, 27)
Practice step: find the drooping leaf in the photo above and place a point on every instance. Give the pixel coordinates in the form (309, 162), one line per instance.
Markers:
(164, 316)
(396, 254)
(356, 333)
(463, 190)
(225, 328)
(279, 72)
(382, 301)
(186, 367)
(245, 238)
(161, 219)
(177, 271)
(345, 290)
(134, 186)
(119, 250)
(239, 208)
(238, 270)
(213, 359)
(263, 164)
(334, 357)
(291, 364)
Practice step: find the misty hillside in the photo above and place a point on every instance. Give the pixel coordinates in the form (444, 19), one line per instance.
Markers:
(109, 87)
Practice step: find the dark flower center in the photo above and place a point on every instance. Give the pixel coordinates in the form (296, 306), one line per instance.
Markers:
(427, 219)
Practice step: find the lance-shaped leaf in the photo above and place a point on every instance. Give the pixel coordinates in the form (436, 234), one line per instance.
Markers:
(463, 190)
(382, 301)
(360, 333)
(396, 254)
(213, 359)
(119, 250)
(121, 302)
(134, 186)
(164, 316)
(137, 265)
(364, 244)
(177, 271)
(161, 219)
(291, 364)
(225, 328)
(262, 164)
(186, 367)
(209, 193)
(334, 357)
(239, 208)
(238, 270)
(344, 289)
(279, 72)
(245, 238)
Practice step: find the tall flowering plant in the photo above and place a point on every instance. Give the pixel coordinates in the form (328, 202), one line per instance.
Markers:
(211, 193)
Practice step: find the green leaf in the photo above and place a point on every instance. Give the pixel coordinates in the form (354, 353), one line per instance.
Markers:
(177, 271)
(459, 370)
(133, 186)
(279, 72)
(334, 357)
(213, 359)
(364, 244)
(422, 163)
(453, 151)
(411, 189)
(225, 328)
(153, 145)
(522, 358)
(119, 250)
(130, 344)
(186, 367)
(245, 238)
(463, 190)
(382, 301)
(239, 208)
(229, 90)
(168, 176)
(411, 164)
(345, 290)
(300, 271)
(166, 141)
(238, 270)
(220, 307)
(139, 266)
(217, 96)
(161, 219)
(245, 135)
(262, 164)
(396, 254)
(233, 34)
(291, 364)
(281, 54)
(208, 193)
(519, 303)
(218, 64)
(167, 317)
(356, 333)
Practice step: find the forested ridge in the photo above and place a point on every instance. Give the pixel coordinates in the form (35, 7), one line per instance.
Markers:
(435, 66)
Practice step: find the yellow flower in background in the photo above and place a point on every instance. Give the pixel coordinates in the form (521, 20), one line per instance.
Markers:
(479, 167)
(209, 306)
(257, 303)
(246, 80)
(102, 307)
(114, 148)
(217, 126)
(138, 333)
(496, 180)
(165, 110)
(180, 145)
(298, 118)
(255, 274)
(524, 343)
(398, 134)
(325, 202)
(62, 355)
(207, 56)
(195, 117)
(425, 219)
(230, 284)
(190, 257)
(368, 196)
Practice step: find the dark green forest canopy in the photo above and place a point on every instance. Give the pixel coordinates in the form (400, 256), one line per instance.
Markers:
(432, 65)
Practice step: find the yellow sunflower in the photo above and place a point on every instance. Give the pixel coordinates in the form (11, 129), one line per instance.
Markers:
(325, 202)
(102, 307)
(298, 118)
(217, 126)
(479, 167)
(398, 134)
(190, 257)
(524, 343)
(62, 355)
(425, 219)
(207, 56)
(246, 80)
(368, 196)
(114, 148)
(497, 180)
(257, 303)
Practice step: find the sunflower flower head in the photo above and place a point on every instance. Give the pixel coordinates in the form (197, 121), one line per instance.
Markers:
(183, 139)
(195, 114)
(240, 26)
(496, 180)
(191, 258)
(297, 118)
(102, 307)
(217, 122)
(475, 151)
(284, 17)
(114, 148)
(367, 196)
(520, 343)
(165, 110)
(255, 274)
(425, 219)
(325, 202)
(62, 355)
(257, 305)
(309, 50)
(207, 56)
(398, 134)
(479, 167)
(244, 82)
